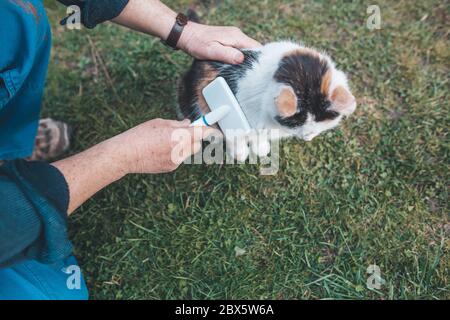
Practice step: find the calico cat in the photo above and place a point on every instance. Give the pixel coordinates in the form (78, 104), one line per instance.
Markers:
(282, 85)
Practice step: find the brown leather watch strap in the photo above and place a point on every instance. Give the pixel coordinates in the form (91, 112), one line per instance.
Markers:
(175, 34)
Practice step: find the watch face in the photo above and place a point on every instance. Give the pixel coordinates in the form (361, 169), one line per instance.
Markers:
(182, 19)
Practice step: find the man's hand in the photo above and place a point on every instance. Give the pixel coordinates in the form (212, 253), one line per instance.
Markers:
(147, 148)
(215, 43)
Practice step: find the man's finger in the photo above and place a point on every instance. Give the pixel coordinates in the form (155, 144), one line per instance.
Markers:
(225, 54)
(234, 37)
(245, 42)
(182, 124)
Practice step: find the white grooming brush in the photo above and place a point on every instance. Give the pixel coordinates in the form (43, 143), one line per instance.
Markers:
(225, 110)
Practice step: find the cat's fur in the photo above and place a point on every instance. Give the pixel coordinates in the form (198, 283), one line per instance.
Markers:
(282, 85)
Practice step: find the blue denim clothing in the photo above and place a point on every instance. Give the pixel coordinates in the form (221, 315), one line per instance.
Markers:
(34, 247)
(33, 217)
(31, 280)
(36, 259)
(94, 12)
(25, 40)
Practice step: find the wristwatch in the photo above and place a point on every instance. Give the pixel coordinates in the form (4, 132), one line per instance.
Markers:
(172, 40)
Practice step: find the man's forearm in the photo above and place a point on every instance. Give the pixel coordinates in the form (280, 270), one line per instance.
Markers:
(148, 16)
(200, 41)
(90, 171)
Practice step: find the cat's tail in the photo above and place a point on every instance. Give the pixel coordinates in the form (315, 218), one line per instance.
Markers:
(192, 15)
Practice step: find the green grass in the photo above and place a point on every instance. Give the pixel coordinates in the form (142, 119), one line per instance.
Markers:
(373, 191)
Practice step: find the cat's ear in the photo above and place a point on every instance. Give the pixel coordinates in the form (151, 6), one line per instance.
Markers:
(342, 101)
(286, 102)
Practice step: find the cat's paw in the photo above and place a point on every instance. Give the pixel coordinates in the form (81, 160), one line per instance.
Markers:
(261, 147)
(240, 152)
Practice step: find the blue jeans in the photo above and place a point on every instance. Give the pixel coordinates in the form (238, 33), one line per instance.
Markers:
(32, 280)
(25, 42)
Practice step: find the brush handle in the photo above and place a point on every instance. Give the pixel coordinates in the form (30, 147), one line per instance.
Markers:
(212, 117)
